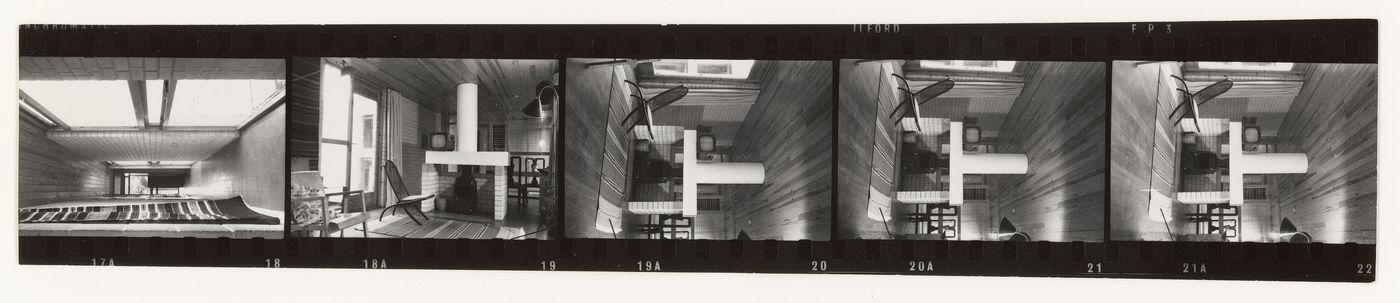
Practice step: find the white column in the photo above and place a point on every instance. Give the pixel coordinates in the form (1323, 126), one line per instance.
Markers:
(961, 163)
(466, 117)
(956, 167)
(1271, 163)
(1257, 163)
(995, 164)
(694, 173)
(728, 173)
(466, 152)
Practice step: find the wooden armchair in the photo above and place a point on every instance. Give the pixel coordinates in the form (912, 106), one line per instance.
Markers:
(348, 217)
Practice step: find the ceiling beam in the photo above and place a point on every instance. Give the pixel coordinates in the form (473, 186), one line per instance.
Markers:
(138, 100)
(261, 112)
(167, 98)
(44, 111)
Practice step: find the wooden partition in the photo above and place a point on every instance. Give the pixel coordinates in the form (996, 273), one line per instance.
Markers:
(789, 129)
(1059, 123)
(1333, 120)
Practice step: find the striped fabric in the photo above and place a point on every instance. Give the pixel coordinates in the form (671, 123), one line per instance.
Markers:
(655, 207)
(438, 228)
(922, 197)
(226, 211)
(1203, 197)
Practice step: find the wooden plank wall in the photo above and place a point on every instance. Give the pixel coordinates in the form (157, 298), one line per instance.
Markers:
(49, 172)
(1333, 120)
(252, 166)
(304, 112)
(586, 119)
(789, 129)
(1144, 153)
(861, 88)
(1058, 121)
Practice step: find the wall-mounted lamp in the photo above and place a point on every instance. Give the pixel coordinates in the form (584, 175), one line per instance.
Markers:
(1288, 233)
(1007, 232)
(346, 69)
(545, 94)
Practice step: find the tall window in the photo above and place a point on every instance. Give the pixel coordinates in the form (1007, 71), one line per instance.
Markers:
(969, 65)
(135, 184)
(723, 69)
(349, 124)
(1246, 66)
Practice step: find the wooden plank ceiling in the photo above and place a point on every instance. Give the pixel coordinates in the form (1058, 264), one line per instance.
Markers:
(505, 86)
(144, 145)
(109, 68)
(148, 145)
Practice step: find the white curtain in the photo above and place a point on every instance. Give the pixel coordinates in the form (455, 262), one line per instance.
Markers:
(394, 129)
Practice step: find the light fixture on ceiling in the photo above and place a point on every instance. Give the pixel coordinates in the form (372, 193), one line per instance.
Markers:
(346, 70)
(545, 94)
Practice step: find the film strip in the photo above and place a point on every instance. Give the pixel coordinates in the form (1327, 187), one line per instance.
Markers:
(637, 208)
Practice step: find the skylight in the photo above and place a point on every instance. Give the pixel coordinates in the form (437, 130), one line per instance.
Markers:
(969, 65)
(1246, 66)
(86, 103)
(722, 69)
(221, 102)
(155, 94)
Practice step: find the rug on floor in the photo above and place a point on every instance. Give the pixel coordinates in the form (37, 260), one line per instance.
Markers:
(438, 228)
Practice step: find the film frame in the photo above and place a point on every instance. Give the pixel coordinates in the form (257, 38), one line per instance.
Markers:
(1332, 41)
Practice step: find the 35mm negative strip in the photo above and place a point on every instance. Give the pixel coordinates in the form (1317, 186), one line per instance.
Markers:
(1192, 150)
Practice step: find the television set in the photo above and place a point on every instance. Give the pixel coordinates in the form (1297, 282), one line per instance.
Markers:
(439, 141)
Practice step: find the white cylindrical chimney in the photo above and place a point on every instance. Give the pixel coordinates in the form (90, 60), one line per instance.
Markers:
(466, 117)
(466, 152)
(1271, 163)
(994, 164)
(728, 173)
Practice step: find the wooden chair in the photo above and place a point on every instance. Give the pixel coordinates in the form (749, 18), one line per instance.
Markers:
(408, 203)
(349, 217)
